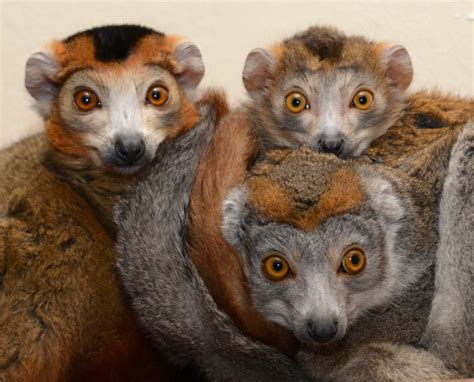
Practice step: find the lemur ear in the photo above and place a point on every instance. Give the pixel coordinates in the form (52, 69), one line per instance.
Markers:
(397, 63)
(385, 199)
(232, 217)
(258, 69)
(40, 70)
(190, 65)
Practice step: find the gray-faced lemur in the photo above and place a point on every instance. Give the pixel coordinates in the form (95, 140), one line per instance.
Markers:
(331, 92)
(343, 254)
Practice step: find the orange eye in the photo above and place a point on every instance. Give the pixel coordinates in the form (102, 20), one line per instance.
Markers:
(86, 100)
(296, 102)
(157, 95)
(363, 100)
(275, 268)
(353, 261)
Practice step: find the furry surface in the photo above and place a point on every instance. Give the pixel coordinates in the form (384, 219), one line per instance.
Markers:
(63, 315)
(165, 289)
(60, 304)
(154, 263)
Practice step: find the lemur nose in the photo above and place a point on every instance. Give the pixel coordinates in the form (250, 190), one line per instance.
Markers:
(322, 332)
(333, 146)
(129, 151)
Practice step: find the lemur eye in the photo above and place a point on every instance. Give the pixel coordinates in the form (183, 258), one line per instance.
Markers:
(363, 100)
(86, 100)
(157, 95)
(353, 261)
(275, 268)
(296, 102)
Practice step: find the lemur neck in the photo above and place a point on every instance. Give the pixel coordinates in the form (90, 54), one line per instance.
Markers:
(99, 187)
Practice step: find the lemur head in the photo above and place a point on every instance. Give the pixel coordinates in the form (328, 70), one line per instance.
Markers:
(321, 88)
(111, 94)
(324, 240)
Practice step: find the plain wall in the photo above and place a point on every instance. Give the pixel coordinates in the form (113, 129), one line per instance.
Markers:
(438, 35)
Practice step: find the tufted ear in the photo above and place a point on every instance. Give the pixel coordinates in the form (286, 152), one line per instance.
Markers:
(232, 216)
(258, 70)
(190, 65)
(40, 70)
(397, 64)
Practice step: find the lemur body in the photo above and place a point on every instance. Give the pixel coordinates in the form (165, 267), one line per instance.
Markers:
(109, 97)
(327, 244)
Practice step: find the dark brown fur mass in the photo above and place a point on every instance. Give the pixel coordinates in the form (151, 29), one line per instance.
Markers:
(326, 43)
(62, 313)
(232, 153)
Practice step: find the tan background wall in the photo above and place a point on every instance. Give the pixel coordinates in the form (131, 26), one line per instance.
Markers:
(438, 35)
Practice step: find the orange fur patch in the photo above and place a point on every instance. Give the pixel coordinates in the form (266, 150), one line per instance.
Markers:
(79, 53)
(64, 140)
(275, 202)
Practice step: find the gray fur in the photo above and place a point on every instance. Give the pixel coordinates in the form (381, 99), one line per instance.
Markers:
(386, 340)
(165, 289)
(450, 328)
(329, 69)
(386, 225)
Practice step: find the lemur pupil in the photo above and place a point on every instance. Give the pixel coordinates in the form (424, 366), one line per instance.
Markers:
(156, 95)
(296, 102)
(277, 266)
(363, 100)
(355, 260)
(86, 100)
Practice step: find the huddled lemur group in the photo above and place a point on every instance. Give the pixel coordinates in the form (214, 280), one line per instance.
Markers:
(322, 231)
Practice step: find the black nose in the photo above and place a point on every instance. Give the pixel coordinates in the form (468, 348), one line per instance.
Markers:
(129, 152)
(333, 146)
(322, 332)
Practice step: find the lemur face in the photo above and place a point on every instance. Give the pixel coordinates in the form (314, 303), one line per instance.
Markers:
(122, 116)
(330, 92)
(322, 242)
(111, 95)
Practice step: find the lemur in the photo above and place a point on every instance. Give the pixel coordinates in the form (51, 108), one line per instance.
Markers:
(321, 88)
(342, 253)
(185, 281)
(110, 97)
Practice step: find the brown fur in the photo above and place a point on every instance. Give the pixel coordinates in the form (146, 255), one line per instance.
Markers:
(61, 305)
(233, 151)
(438, 111)
(304, 201)
(224, 166)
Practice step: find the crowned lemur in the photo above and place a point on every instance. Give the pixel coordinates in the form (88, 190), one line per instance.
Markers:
(343, 254)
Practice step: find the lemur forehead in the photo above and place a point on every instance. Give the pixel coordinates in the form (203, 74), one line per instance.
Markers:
(113, 47)
(327, 48)
(302, 188)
